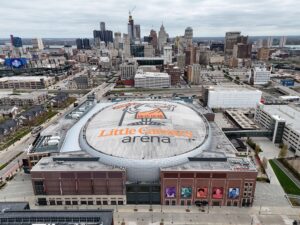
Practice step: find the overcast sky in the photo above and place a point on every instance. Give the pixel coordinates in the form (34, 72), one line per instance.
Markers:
(78, 18)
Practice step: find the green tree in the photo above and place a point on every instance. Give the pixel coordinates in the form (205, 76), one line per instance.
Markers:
(283, 151)
(257, 149)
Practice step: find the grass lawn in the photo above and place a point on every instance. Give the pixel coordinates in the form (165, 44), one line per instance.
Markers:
(286, 183)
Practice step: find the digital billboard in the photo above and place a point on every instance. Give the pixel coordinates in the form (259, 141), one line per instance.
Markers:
(233, 193)
(186, 192)
(15, 62)
(217, 192)
(201, 192)
(170, 192)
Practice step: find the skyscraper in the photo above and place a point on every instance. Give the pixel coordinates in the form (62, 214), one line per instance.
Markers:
(117, 40)
(131, 28)
(188, 34)
(231, 39)
(102, 26)
(103, 34)
(79, 43)
(17, 42)
(86, 43)
(37, 43)
(162, 38)
(282, 42)
(153, 36)
(137, 29)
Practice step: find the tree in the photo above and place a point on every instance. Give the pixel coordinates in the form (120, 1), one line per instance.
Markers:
(283, 151)
(257, 149)
(265, 162)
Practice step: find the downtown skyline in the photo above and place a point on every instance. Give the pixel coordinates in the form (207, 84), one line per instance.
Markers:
(207, 18)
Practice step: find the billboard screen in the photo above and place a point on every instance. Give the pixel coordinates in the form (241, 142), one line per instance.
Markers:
(15, 62)
(217, 192)
(233, 193)
(202, 192)
(170, 192)
(186, 192)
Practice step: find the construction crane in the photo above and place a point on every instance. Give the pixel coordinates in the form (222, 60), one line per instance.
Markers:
(131, 11)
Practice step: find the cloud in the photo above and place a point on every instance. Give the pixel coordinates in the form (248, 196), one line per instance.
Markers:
(78, 18)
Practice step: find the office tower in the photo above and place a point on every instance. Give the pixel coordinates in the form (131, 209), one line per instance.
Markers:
(242, 51)
(174, 72)
(188, 35)
(270, 42)
(259, 76)
(137, 29)
(79, 43)
(126, 45)
(17, 42)
(231, 39)
(102, 26)
(167, 55)
(162, 38)
(117, 40)
(282, 42)
(37, 43)
(263, 54)
(106, 36)
(154, 41)
(131, 28)
(86, 43)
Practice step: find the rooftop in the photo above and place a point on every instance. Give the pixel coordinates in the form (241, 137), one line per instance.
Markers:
(210, 164)
(25, 78)
(76, 161)
(287, 112)
(151, 74)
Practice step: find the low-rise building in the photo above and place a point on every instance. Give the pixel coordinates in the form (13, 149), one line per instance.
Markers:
(152, 80)
(231, 97)
(284, 121)
(259, 76)
(23, 99)
(26, 82)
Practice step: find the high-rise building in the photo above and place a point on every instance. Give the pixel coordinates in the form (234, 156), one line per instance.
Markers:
(153, 36)
(188, 35)
(131, 28)
(137, 29)
(270, 42)
(174, 72)
(194, 72)
(162, 38)
(86, 43)
(231, 39)
(117, 40)
(79, 43)
(37, 43)
(263, 54)
(149, 50)
(126, 45)
(17, 42)
(242, 51)
(282, 42)
(102, 26)
(167, 55)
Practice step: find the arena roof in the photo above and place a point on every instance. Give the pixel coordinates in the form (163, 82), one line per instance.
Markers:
(146, 130)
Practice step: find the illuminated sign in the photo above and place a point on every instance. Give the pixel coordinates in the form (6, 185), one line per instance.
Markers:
(15, 62)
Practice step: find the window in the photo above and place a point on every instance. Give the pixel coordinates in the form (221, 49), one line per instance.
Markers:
(90, 203)
(59, 202)
(105, 203)
(74, 202)
(113, 202)
(120, 202)
(68, 202)
(173, 202)
(182, 202)
(98, 202)
(167, 202)
(83, 202)
(52, 202)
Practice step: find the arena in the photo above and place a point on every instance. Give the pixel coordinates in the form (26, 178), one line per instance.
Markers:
(143, 152)
(144, 136)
